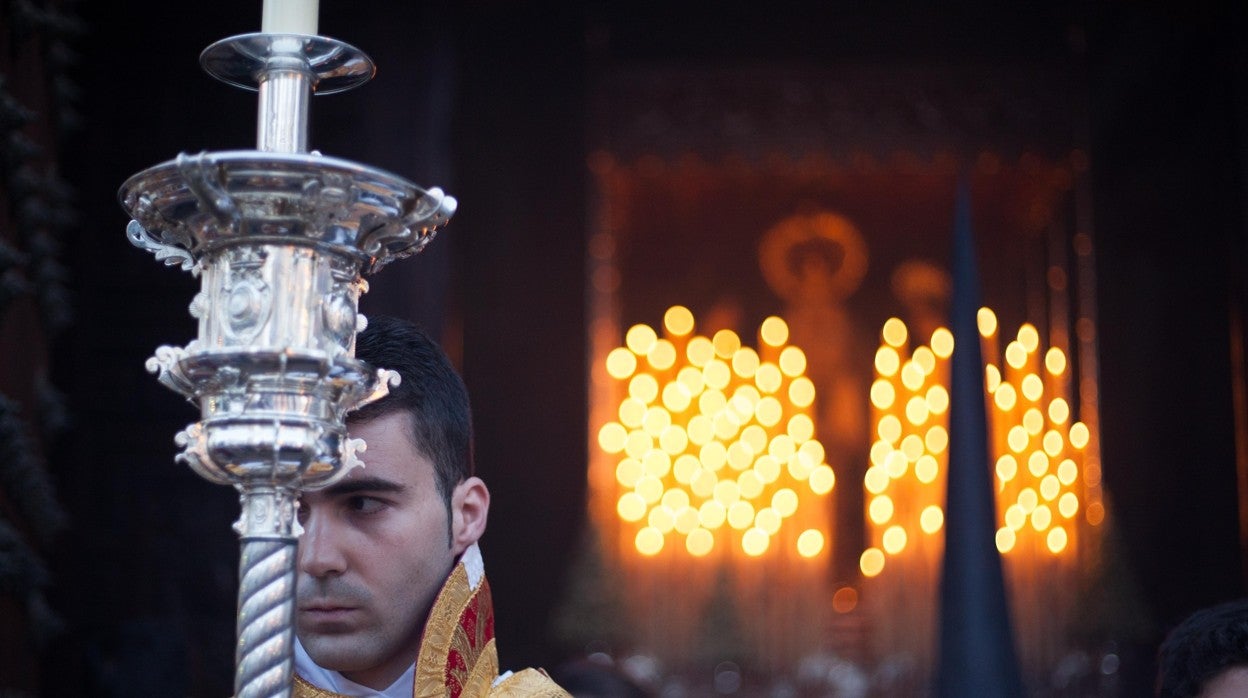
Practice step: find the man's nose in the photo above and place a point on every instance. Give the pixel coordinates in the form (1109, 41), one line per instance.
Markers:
(320, 551)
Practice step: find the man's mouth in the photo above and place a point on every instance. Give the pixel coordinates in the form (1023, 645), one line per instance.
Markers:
(325, 613)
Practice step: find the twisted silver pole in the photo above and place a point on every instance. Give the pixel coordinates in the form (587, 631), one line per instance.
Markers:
(266, 594)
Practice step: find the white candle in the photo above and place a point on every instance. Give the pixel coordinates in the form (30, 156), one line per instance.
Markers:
(289, 17)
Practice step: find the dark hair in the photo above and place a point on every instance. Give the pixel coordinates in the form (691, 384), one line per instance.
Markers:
(1205, 644)
(430, 392)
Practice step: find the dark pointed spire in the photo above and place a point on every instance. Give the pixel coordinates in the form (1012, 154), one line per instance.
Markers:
(977, 654)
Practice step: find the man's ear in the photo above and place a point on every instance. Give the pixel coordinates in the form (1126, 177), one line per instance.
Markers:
(470, 507)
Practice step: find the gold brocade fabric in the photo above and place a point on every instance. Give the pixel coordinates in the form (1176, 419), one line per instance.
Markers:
(457, 657)
(528, 683)
(303, 689)
(459, 635)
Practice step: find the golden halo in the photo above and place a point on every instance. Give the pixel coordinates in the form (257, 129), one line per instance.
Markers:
(826, 238)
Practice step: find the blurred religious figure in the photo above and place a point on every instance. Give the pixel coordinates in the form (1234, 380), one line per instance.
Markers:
(815, 262)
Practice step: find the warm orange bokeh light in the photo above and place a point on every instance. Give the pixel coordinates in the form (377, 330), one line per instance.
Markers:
(699, 351)
(1057, 540)
(1079, 435)
(887, 362)
(942, 343)
(1055, 361)
(1038, 457)
(726, 343)
(649, 541)
(871, 562)
(640, 338)
(792, 361)
(621, 363)
(1095, 513)
(894, 333)
(708, 433)
(699, 542)
(678, 320)
(1029, 337)
(662, 355)
(810, 543)
(895, 540)
(755, 542)
(1005, 539)
(774, 331)
(987, 322)
(845, 600)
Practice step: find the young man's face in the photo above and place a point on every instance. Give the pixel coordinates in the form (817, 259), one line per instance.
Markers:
(374, 554)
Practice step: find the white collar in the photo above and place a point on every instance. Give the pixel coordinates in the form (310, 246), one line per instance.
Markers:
(473, 565)
(333, 681)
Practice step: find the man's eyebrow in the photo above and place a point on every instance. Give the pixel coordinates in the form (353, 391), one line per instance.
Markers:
(363, 484)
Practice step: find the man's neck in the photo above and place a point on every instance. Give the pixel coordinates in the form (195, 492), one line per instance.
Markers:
(397, 686)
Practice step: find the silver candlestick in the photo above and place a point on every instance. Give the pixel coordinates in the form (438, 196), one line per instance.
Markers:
(280, 239)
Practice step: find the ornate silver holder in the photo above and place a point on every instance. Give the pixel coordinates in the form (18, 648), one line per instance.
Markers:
(280, 239)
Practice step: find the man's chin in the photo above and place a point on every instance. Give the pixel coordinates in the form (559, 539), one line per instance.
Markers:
(340, 652)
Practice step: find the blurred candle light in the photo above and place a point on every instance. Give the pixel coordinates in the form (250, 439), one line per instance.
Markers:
(678, 320)
(810, 543)
(1039, 464)
(871, 562)
(709, 427)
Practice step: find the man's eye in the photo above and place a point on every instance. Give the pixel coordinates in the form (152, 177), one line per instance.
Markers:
(364, 505)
